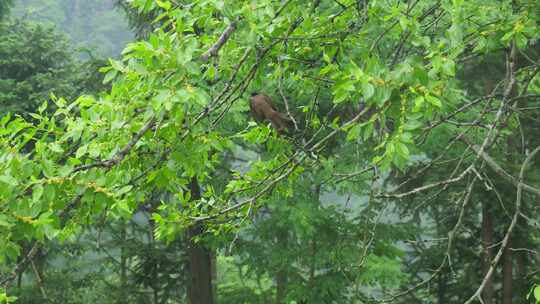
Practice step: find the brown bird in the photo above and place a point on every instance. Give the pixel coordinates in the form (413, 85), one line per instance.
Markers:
(262, 108)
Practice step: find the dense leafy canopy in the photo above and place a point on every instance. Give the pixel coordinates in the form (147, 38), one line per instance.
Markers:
(36, 63)
(5, 6)
(404, 114)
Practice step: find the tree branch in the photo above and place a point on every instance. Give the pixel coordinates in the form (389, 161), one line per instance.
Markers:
(506, 238)
(120, 155)
(499, 170)
(214, 49)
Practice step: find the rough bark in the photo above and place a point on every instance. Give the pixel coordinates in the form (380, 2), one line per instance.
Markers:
(199, 290)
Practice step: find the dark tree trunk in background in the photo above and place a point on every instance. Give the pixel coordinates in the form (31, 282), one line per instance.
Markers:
(521, 273)
(213, 264)
(507, 274)
(487, 241)
(199, 290)
(281, 276)
(441, 288)
(521, 240)
(123, 267)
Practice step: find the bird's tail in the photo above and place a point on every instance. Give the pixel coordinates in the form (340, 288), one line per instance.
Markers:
(279, 121)
(285, 117)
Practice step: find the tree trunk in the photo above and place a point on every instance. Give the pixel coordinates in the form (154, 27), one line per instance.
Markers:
(123, 266)
(199, 289)
(487, 241)
(441, 288)
(522, 241)
(521, 273)
(281, 276)
(507, 273)
(213, 264)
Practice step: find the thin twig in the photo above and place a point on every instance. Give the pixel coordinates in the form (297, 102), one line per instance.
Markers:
(499, 170)
(506, 238)
(39, 281)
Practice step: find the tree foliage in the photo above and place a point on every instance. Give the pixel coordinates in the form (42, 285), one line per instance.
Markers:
(373, 195)
(5, 6)
(37, 63)
(96, 24)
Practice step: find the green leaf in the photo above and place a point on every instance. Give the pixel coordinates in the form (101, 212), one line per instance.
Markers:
(412, 125)
(56, 147)
(390, 149)
(357, 71)
(109, 76)
(507, 37)
(4, 298)
(43, 107)
(402, 150)
(123, 190)
(449, 67)
(340, 96)
(434, 101)
(81, 151)
(8, 179)
(4, 221)
(164, 4)
(327, 69)
(404, 22)
(36, 116)
(421, 76)
(60, 102)
(368, 90)
(117, 65)
(368, 131)
(354, 133)
(521, 41)
(37, 192)
(418, 103)
(201, 97)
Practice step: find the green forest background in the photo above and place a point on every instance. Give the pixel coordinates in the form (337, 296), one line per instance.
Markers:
(98, 26)
(408, 175)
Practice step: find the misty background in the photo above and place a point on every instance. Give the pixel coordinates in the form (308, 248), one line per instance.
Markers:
(98, 26)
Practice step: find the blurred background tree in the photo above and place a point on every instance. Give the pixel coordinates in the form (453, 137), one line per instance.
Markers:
(325, 237)
(99, 25)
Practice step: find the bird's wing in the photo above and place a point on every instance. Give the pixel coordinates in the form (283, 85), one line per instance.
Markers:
(269, 101)
(253, 111)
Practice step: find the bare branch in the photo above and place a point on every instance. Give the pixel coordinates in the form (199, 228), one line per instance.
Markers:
(426, 187)
(449, 246)
(499, 170)
(510, 228)
(214, 49)
(39, 281)
(286, 102)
